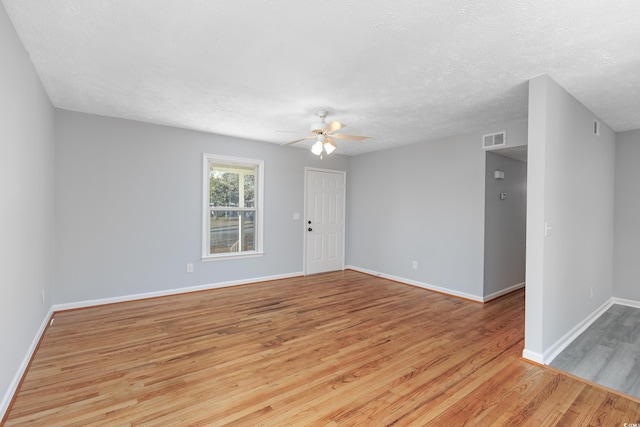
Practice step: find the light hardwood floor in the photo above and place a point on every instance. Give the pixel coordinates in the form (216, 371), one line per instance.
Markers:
(341, 348)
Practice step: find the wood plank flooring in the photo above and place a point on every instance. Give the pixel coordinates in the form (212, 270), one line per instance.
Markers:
(337, 349)
(608, 352)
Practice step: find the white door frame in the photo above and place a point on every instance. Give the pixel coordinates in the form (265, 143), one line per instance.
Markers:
(305, 224)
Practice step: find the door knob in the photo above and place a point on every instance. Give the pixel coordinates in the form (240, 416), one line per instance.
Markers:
(309, 221)
(310, 229)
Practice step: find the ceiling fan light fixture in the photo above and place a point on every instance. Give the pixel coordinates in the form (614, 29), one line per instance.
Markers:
(317, 148)
(329, 147)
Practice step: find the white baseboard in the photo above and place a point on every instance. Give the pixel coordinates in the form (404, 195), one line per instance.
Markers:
(627, 302)
(176, 291)
(13, 387)
(502, 292)
(553, 351)
(533, 356)
(439, 289)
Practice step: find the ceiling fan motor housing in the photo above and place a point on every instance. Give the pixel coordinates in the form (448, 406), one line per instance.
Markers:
(317, 127)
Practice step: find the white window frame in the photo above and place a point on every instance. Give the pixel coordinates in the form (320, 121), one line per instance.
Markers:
(207, 159)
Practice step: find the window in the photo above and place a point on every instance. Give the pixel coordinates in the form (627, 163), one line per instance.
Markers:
(232, 205)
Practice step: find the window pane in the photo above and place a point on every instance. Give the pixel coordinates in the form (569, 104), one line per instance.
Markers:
(232, 207)
(249, 187)
(231, 231)
(231, 186)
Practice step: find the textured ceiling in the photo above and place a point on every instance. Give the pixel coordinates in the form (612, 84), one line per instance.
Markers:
(400, 71)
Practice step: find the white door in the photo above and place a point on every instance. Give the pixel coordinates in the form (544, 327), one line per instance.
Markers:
(324, 222)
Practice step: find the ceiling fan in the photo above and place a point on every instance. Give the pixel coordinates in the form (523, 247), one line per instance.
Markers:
(324, 133)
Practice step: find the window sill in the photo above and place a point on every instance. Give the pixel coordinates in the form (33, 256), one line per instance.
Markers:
(223, 257)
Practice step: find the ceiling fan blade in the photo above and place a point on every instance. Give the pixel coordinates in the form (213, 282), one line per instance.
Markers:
(333, 127)
(299, 140)
(355, 137)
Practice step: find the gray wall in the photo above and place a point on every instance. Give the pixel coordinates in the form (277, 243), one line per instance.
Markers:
(423, 202)
(570, 187)
(26, 206)
(129, 200)
(505, 223)
(627, 217)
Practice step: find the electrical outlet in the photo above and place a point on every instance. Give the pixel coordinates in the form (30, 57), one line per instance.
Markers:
(189, 268)
(414, 265)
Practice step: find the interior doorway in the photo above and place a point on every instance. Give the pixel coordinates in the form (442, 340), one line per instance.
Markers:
(505, 221)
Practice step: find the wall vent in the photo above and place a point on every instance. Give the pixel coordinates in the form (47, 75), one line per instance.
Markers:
(494, 140)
